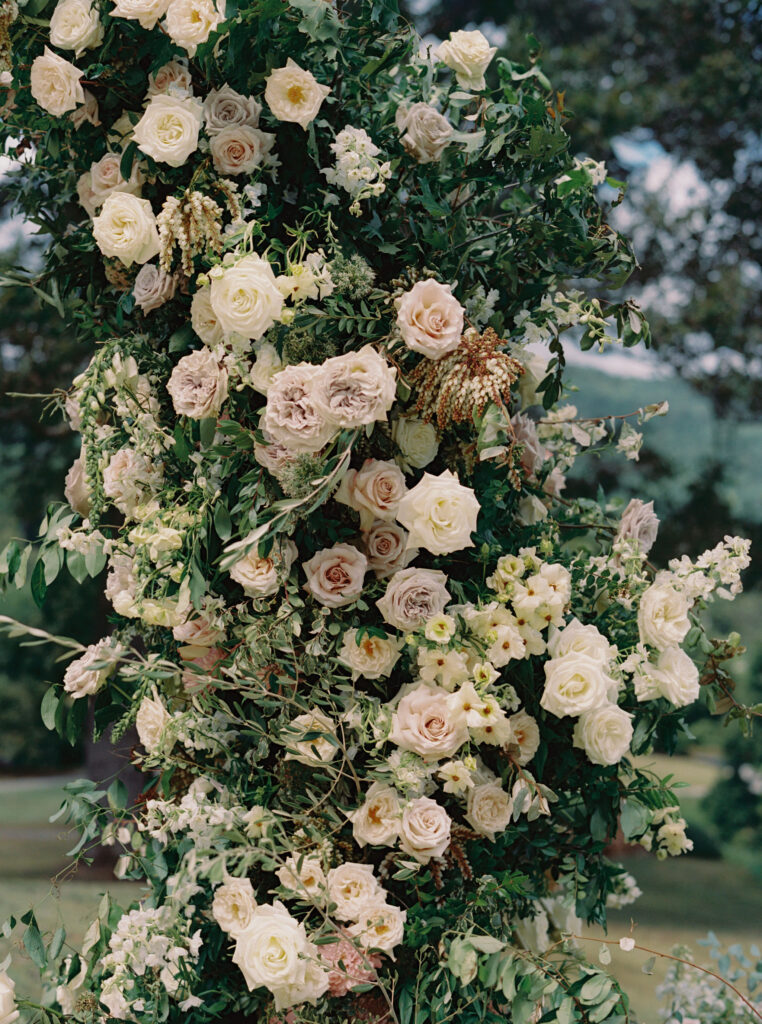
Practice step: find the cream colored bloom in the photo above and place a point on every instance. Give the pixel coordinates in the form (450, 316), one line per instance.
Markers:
(198, 385)
(373, 657)
(153, 287)
(226, 108)
(440, 628)
(439, 513)
(425, 132)
(380, 926)
(240, 149)
(640, 523)
(234, 905)
(416, 440)
(173, 77)
(674, 677)
(355, 389)
(262, 577)
(604, 734)
(525, 737)
(580, 639)
(351, 886)
(430, 319)
(291, 417)
(245, 297)
(81, 679)
(55, 83)
(385, 545)
(335, 575)
(76, 489)
(489, 809)
(126, 228)
(203, 318)
(574, 684)
(146, 12)
(469, 55)
(75, 25)
(104, 178)
(310, 751)
(191, 22)
(456, 777)
(424, 722)
(412, 597)
(375, 491)
(663, 616)
(273, 951)
(304, 875)
(266, 364)
(130, 478)
(294, 94)
(150, 722)
(425, 829)
(168, 130)
(376, 822)
(8, 1011)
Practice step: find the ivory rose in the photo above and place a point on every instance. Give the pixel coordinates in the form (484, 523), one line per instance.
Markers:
(424, 722)
(291, 417)
(273, 952)
(373, 657)
(489, 809)
(234, 905)
(469, 55)
(262, 577)
(376, 822)
(173, 77)
(663, 616)
(226, 108)
(203, 318)
(425, 829)
(604, 734)
(416, 440)
(351, 886)
(380, 926)
(425, 132)
(81, 678)
(266, 364)
(240, 149)
(191, 22)
(168, 130)
(75, 25)
(126, 229)
(146, 12)
(310, 751)
(151, 721)
(439, 513)
(294, 94)
(355, 389)
(430, 319)
(198, 385)
(674, 677)
(386, 547)
(375, 491)
(153, 287)
(304, 875)
(640, 523)
(55, 83)
(413, 596)
(8, 1011)
(245, 297)
(335, 575)
(580, 639)
(574, 684)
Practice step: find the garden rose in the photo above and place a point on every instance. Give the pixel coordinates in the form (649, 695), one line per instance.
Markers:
(234, 905)
(8, 1011)
(129, 478)
(574, 684)
(150, 722)
(105, 177)
(271, 950)
(294, 94)
(198, 385)
(425, 829)
(640, 523)
(675, 677)
(203, 318)
(173, 77)
(424, 722)
(604, 734)
(351, 886)
(489, 809)
(416, 440)
(469, 55)
(376, 822)
(266, 364)
(430, 319)
(153, 287)
(425, 132)
(55, 83)
(126, 228)
(76, 489)
(304, 875)
(291, 417)
(75, 25)
(226, 108)
(245, 297)
(386, 547)
(663, 616)
(191, 22)
(534, 454)
(355, 389)
(380, 926)
(146, 12)
(168, 130)
(439, 513)
(262, 577)
(580, 639)
(373, 658)
(80, 678)
(375, 491)
(313, 751)
(525, 737)
(413, 596)
(240, 149)
(335, 575)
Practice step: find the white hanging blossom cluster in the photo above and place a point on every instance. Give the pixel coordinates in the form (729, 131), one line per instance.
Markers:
(357, 170)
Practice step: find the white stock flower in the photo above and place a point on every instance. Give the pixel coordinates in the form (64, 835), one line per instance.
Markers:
(469, 55)
(489, 809)
(234, 905)
(129, 478)
(335, 575)
(240, 149)
(198, 385)
(146, 12)
(263, 576)
(376, 822)
(304, 875)
(674, 676)
(663, 616)
(425, 132)
(416, 440)
(355, 389)
(315, 751)
(375, 491)
(168, 130)
(294, 94)
(350, 887)
(439, 513)
(153, 287)
(425, 829)
(75, 25)
(55, 83)
(291, 417)
(8, 1011)
(574, 684)
(226, 108)
(191, 22)
(424, 722)
(412, 597)
(126, 229)
(150, 722)
(380, 926)
(373, 657)
(245, 297)
(430, 319)
(203, 318)
(604, 734)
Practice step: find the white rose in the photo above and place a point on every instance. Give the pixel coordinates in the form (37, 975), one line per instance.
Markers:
(425, 829)
(377, 821)
(198, 635)
(351, 886)
(191, 22)
(412, 597)
(291, 417)
(674, 676)
(574, 684)
(226, 108)
(380, 926)
(386, 547)
(663, 616)
(240, 149)
(130, 478)
(146, 12)
(75, 25)
(126, 228)
(639, 522)
(153, 287)
(8, 1011)
(525, 737)
(262, 577)
(271, 952)
(105, 177)
(198, 385)
(234, 905)
(373, 657)
(304, 875)
(425, 132)
(375, 491)
(425, 723)
(469, 55)
(81, 679)
(174, 77)
(604, 734)
(150, 722)
(266, 364)
(310, 751)
(355, 389)
(294, 94)
(76, 489)
(168, 130)
(430, 319)
(121, 585)
(203, 318)
(335, 575)
(245, 297)
(439, 513)
(489, 809)
(55, 83)
(416, 440)
(581, 640)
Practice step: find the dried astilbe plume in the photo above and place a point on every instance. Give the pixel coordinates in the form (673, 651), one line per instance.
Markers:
(461, 385)
(193, 224)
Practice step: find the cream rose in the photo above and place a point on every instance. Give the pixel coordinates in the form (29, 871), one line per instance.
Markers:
(173, 77)
(245, 297)
(76, 489)
(604, 734)
(439, 513)
(416, 440)
(310, 751)
(579, 639)
(412, 597)
(266, 364)
(240, 149)
(234, 905)
(469, 55)
(355, 389)
(375, 491)
(273, 951)
(489, 809)
(81, 678)
(640, 523)
(574, 684)
(377, 821)
(351, 886)
(425, 132)
(291, 417)
(373, 657)
(104, 178)
(304, 875)
(146, 12)
(75, 25)
(126, 228)
(198, 385)
(294, 94)
(525, 737)
(203, 318)
(198, 634)
(425, 723)
(191, 22)
(8, 1011)
(663, 616)
(380, 926)
(153, 287)
(386, 547)
(425, 829)
(150, 722)
(675, 677)
(430, 319)
(55, 83)
(262, 577)
(335, 575)
(226, 108)
(168, 130)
